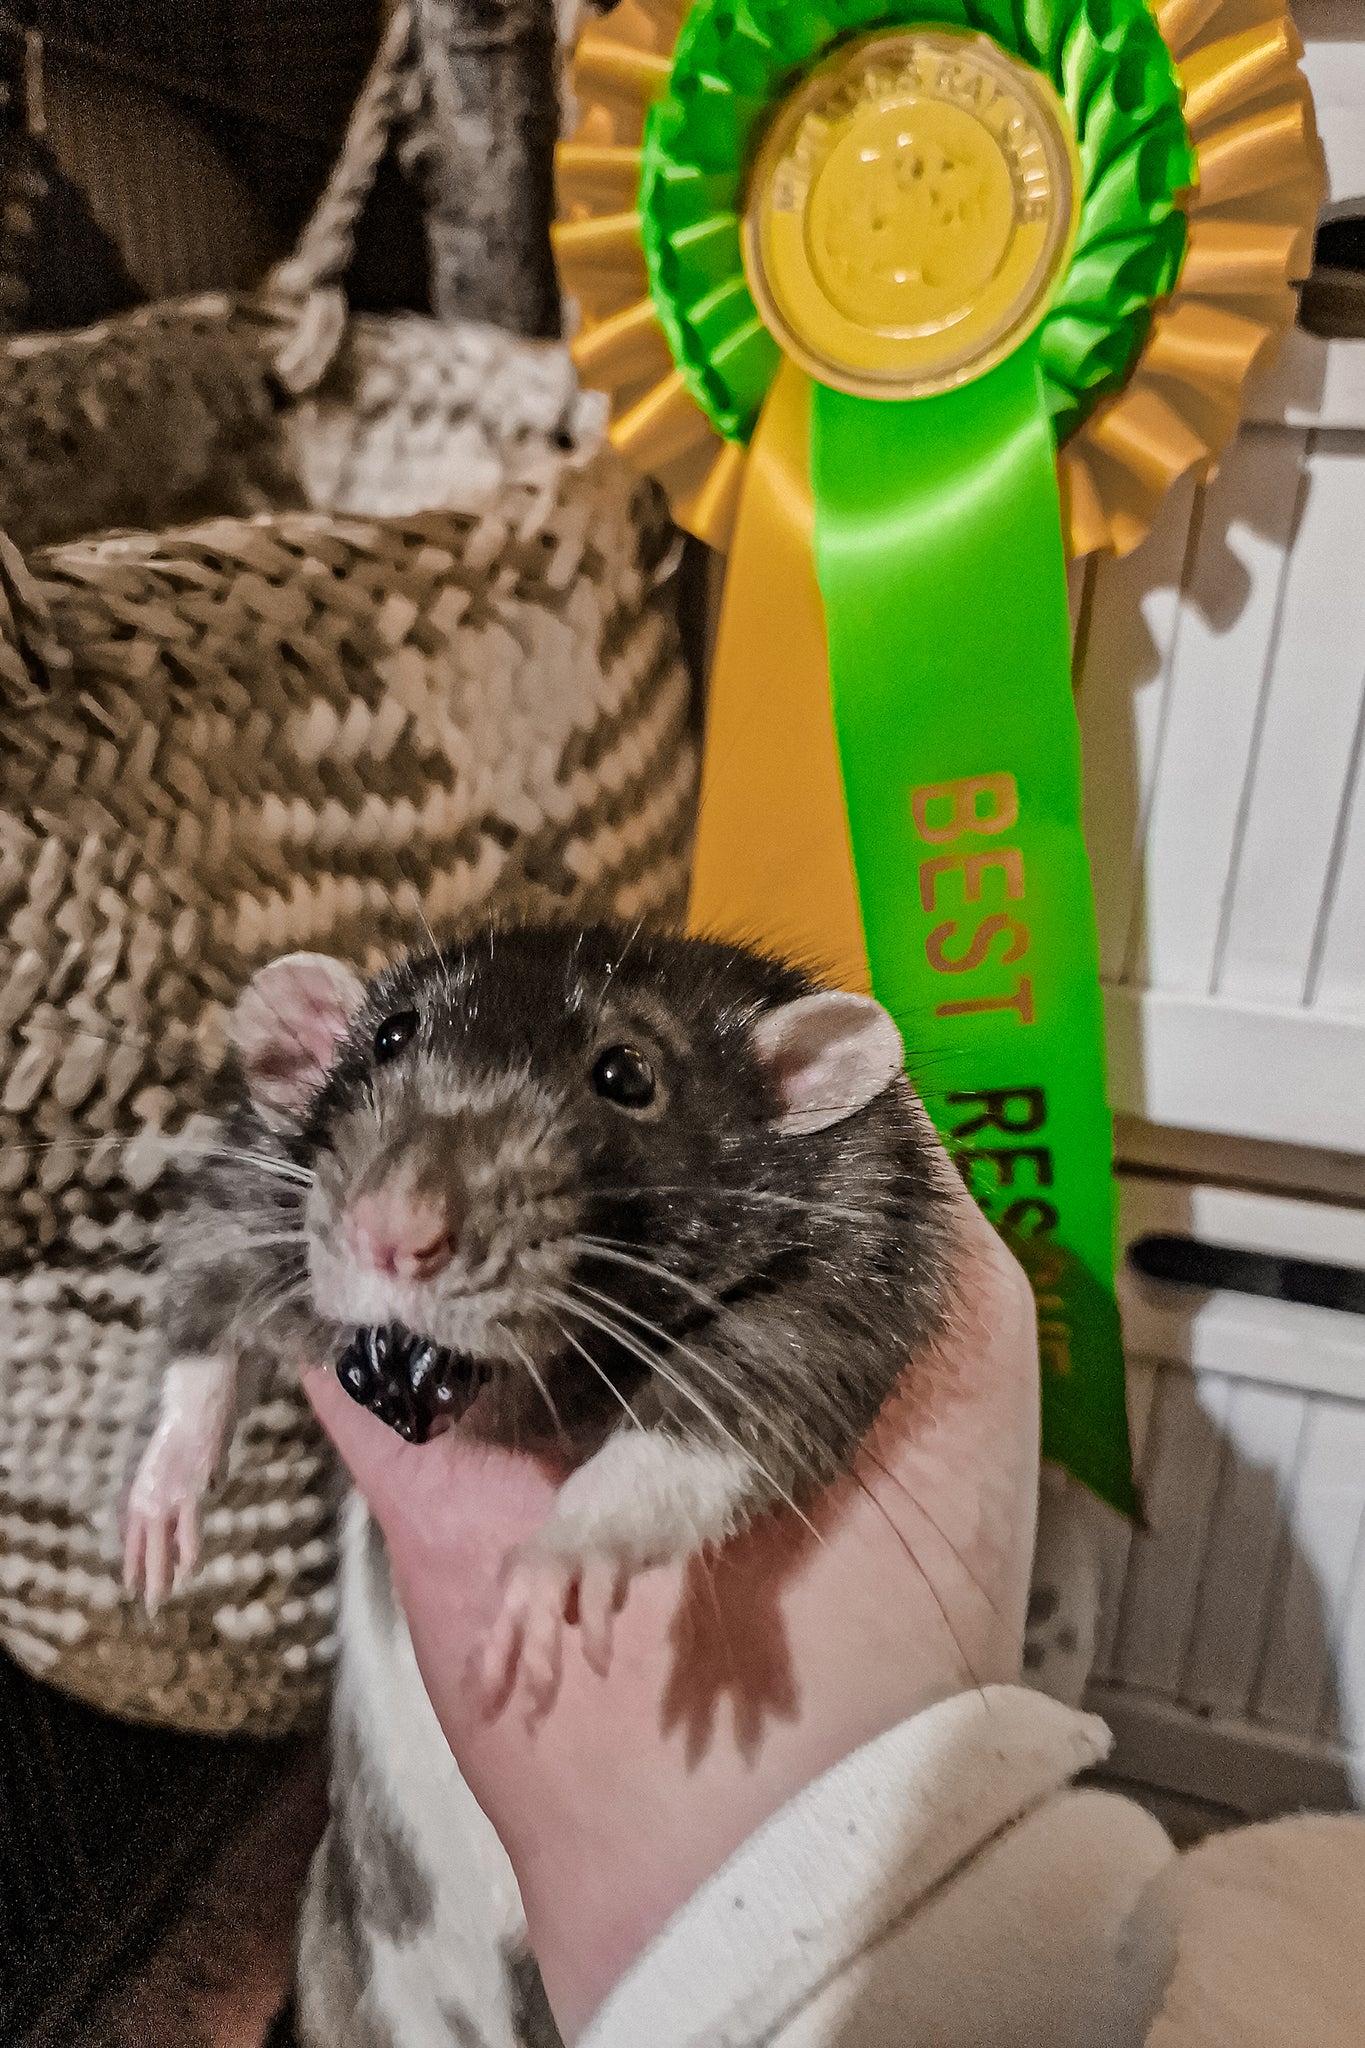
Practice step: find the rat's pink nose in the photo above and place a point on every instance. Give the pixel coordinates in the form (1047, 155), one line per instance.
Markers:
(410, 1237)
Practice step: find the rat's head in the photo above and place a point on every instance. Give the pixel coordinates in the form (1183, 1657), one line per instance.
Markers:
(542, 1143)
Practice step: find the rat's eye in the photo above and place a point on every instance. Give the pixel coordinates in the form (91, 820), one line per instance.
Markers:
(625, 1076)
(393, 1034)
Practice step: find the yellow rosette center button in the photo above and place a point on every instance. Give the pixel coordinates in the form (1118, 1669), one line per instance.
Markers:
(909, 211)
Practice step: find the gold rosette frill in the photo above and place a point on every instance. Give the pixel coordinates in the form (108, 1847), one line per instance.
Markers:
(1250, 208)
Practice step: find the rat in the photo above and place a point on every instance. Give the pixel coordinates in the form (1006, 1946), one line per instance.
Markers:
(665, 1206)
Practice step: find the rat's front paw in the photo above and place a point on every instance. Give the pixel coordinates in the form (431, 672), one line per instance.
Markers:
(546, 1590)
(161, 1527)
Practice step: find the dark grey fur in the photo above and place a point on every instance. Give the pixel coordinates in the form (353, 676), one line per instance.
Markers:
(532, 2020)
(385, 1887)
(789, 1277)
(334, 1956)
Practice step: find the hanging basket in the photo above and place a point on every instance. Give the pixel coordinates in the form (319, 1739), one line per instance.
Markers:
(309, 728)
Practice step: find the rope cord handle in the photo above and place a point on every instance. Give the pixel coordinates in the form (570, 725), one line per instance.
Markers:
(327, 243)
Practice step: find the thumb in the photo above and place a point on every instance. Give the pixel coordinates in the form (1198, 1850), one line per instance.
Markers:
(453, 1496)
(378, 1460)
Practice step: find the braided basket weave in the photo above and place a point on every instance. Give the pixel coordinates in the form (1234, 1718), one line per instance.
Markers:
(279, 399)
(221, 743)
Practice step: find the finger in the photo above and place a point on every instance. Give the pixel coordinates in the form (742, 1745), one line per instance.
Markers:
(373, 1452)
(156, 1573)
(186, 1541)
(394, 1477)
(454, 1491)
(601, 1592)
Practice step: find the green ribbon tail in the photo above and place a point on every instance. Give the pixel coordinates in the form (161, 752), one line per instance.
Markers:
(939, 555)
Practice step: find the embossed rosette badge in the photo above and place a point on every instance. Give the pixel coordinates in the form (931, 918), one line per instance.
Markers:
(903, 305)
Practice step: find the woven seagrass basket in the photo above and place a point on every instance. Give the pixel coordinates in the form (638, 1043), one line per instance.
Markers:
(279, 399)
(310, 728)
(305, 731)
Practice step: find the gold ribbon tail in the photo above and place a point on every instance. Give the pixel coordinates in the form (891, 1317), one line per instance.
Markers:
(772, 865)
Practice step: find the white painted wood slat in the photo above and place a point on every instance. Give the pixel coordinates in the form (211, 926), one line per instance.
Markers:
(1179, 1479)
(1312, 382)
(1246, 1337)
(1291, 1076)
(1344, 1708)
(1133, 619)
(1218, 667)
(1264, 1426)
(1245, 1218)
(1338, 986)
(1298, 782)
(1118, 1535)
(1333, 33)
(1320, 1568)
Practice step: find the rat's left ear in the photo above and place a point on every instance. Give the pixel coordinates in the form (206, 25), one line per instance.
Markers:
(827, 1054)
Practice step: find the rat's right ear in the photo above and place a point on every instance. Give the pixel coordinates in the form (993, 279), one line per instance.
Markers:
(287, 1025)
(828, 1054)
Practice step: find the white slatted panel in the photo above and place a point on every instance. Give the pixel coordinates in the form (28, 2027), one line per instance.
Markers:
(1339, 983)
(1333, 33)
(1344, 1715)
(1218, 668)
(1320, 1570)
(1245, 1337)
(1223, 730)
(1264, 1426)
(1118, 1536)
(1180, 1474)
(1133, 618)
(1311, 383)
(1243, 1600)
(1299, 780)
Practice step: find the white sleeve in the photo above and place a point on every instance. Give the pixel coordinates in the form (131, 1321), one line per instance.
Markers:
(944, 1885)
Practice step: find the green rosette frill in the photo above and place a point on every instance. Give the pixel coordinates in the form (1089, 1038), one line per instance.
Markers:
(737, 60)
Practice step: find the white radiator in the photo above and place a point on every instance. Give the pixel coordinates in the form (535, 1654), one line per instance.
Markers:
(1230, 1659)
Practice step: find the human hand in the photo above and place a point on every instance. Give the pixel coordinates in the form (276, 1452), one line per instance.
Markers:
(736, 1681)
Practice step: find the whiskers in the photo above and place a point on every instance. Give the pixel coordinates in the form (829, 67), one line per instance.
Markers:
(814, 1207)
(283, 1286)
(538, 1381)
(603, 1313)
(545, 1301)
(179, 1149)
(617, 1254)
(629, 1329)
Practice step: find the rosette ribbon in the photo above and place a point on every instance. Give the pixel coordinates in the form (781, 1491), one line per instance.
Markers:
(904, 301)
